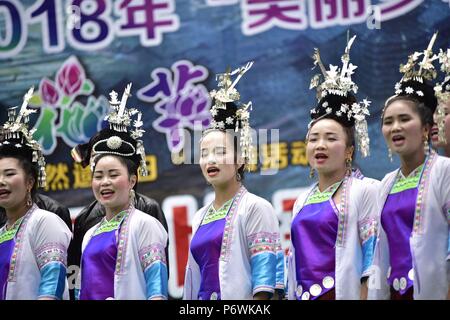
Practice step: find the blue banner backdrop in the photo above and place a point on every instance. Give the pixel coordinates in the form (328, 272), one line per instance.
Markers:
(75, 52)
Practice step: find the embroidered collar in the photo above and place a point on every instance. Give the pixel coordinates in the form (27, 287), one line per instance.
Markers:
(8, 234)
(214, 215)
(317, 196)
(113, 224)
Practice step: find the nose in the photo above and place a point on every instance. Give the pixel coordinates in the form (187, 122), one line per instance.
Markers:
(211, 158)
(104, 181)
(396, 126)
(320, 144)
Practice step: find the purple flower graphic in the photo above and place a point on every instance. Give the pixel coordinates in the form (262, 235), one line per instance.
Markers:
(70, 77)
(49, 92)
(183, 104)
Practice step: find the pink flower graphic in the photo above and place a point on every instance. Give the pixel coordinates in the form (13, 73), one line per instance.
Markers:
(49, 92)
(70, 77)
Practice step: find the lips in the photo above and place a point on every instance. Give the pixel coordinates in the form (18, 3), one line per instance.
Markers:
(4, 192)
(106, 193)
(212, 171)
(320, 157)
(398, 140)
(434, 133)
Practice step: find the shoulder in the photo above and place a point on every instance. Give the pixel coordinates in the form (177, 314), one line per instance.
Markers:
(442, 164)
(388, 177)
(256, 202)
(146, 220)
(43, 216)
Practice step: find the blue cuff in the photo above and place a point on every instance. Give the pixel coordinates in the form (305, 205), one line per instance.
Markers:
(280, 270)
(264, 272)
(53, 280)
(368, 249)
(156, 280)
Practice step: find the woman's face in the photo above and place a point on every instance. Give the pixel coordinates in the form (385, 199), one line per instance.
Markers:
(326, 147)
(217, 158)
(403, 130)
(14, 184)
(111, 183)
(434, 130)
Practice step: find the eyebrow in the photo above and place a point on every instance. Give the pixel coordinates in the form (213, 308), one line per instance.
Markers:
(110, 170)
(398, 115)
(327, 133)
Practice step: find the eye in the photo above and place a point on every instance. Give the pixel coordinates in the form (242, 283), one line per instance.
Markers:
(221, 151)
(204, 153)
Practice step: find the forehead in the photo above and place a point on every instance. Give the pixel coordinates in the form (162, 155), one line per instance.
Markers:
(109, 163)
(9, 163)
(215, 139)
(399, 107)
(326, 126)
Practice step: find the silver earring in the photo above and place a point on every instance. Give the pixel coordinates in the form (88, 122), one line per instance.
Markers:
(312, 172)
(390, 154)
(348, 165)
(132, 196)
(29, 200)
(426, 148)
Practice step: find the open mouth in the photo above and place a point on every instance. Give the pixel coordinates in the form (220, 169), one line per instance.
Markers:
(4, 192)
(434, 133)
(106, 193)
(212, 171)
(320, 157)
(398, 139)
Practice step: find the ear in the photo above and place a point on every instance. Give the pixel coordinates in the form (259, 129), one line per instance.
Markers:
(133, 180)
(426, 131)
(30, 183)
(349, 152)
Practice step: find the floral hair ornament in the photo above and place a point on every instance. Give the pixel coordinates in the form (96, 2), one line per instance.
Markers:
(18, 139)
(118, 139)
(228, 113)
(336, 98)
(442, 92)
(414, 81)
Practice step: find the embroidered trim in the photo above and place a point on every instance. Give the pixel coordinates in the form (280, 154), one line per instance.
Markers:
(262, 242)
(228, 230)
(113, 224)
(422, 192)
(214, 215)
(405, 183)
(151, 254)
(122, 241)
(343, 211)
(317, 197)
(367, 229)
(15, 260)
(50, 252)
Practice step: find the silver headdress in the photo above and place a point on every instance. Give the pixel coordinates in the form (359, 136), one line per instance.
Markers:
(442, 91)
(335, 96)
(411, 74)
(15, 134)
(120, 119)
(239, 118)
